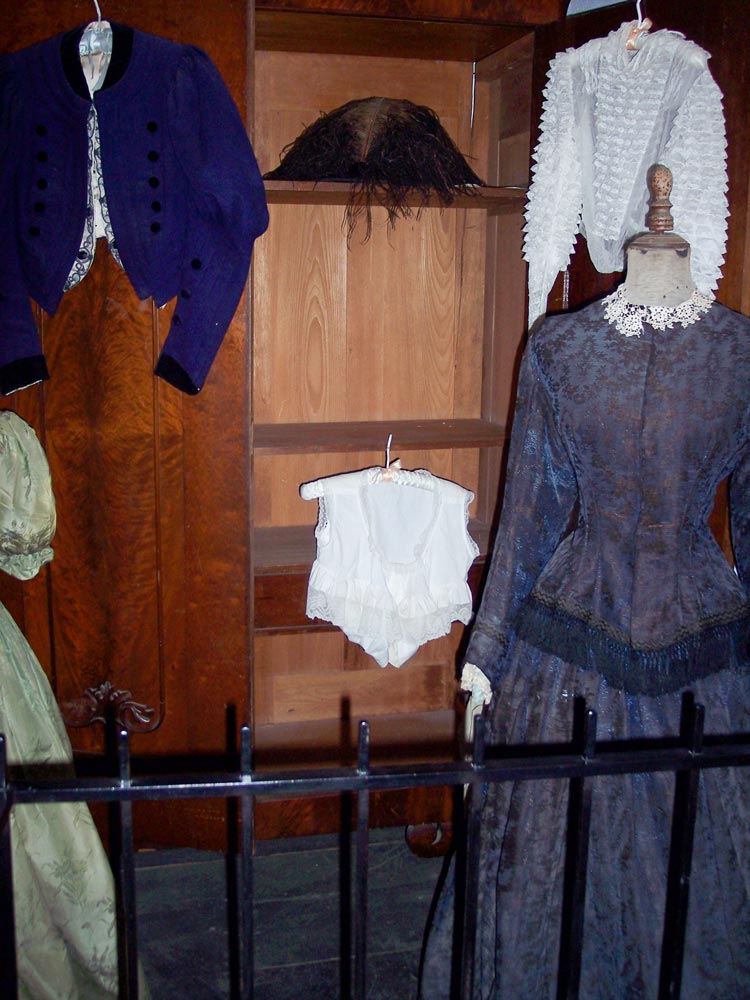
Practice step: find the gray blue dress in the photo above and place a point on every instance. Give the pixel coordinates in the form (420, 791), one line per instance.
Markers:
(606, 581)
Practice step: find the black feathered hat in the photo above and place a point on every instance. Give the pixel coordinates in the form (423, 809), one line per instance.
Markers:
(384, 148)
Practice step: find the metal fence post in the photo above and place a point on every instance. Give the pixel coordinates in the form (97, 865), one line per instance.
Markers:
(246, 921)
(576, 859)
(363, 867)
(681, 852)
(471, 894)
(127, 936)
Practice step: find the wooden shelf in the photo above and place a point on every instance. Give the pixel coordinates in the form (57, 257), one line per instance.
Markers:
(292, 549)
(491, 199)
(406, 38)
(372, 435)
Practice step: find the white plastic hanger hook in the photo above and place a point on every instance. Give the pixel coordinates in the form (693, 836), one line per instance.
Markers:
(639, 30)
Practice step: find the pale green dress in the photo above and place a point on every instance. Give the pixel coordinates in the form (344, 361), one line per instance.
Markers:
(63, 888)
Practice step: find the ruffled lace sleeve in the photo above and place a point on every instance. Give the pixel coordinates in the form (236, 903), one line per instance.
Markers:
(27, 504)
(540, 495)
(696, 155)
(553, 210)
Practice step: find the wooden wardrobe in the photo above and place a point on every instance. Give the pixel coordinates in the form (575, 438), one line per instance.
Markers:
(177, 591)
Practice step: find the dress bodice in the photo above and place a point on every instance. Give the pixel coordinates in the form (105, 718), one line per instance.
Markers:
(620, 445)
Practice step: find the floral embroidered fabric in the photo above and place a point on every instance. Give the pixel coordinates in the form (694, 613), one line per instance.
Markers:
(97, 215)
(63, 891)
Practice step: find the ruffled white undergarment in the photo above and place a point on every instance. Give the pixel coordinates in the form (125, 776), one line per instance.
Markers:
(393, 554)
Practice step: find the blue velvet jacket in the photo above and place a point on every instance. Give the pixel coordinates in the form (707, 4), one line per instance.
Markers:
(604, 556)
(184, 193)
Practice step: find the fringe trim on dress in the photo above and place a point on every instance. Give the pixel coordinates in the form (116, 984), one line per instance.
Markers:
(636, 671)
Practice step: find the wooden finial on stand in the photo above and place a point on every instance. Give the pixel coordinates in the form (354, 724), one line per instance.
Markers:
(659, 218)
(658, 262)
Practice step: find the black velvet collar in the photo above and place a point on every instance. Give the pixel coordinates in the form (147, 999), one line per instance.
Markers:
(122, 49)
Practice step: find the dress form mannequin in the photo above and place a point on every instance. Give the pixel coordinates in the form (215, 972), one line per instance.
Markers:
(659, 279)
(658, 262)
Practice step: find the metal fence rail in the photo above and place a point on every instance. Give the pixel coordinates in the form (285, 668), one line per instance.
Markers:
(583, 758)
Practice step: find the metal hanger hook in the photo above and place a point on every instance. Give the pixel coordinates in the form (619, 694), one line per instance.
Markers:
(99, 11)
(637, 7)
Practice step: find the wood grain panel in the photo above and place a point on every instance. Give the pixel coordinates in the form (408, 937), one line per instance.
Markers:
(402, 737)
(325, 676)
(281, 599)
(363, 333)
(289, 818)
(363, 692)
(300, 316)
(418, 298)
(471, 249)
(505, 270)
(298, 655)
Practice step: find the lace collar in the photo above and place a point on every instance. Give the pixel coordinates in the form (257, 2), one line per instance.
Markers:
(628, 319)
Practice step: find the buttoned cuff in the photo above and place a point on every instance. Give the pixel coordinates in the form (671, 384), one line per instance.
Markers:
(22, 373)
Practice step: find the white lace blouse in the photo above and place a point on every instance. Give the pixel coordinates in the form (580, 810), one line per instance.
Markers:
(608, 115)
(393, 554)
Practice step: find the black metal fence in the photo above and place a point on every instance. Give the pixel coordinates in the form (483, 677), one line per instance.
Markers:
(583, 758)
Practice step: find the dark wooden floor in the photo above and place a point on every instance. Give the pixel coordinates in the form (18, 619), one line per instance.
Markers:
(182, 925)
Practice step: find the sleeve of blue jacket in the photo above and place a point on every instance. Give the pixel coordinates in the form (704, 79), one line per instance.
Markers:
(227, 212)
(21, 359)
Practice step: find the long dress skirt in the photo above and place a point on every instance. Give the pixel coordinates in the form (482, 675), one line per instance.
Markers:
(523, 846)
(62, 884)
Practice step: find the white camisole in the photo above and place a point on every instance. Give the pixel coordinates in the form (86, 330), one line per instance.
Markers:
(393, 554)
